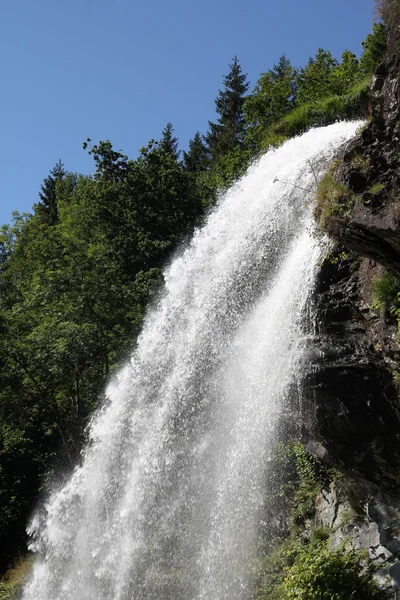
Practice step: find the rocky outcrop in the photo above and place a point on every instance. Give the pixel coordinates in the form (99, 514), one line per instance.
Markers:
(370, 169)
(351, 409)
(350, 401)
(373, 527)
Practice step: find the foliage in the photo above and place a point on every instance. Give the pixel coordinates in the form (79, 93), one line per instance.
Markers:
(374, 46)
(343, 76)
(333, 199)
(312, 476)
(271, 571)
(324, 573)
(229, 131)
(349, 516)
(72, 296)
(360, 163)
(197, 157)
(314, 80)
(326, 111)
(376, 188)
(48, 193)
(273, 96)
(385, 290)
(296, 570)
(298, 476)
(320, 535)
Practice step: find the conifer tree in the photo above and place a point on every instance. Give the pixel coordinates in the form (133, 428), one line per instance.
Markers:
(197, 157)
(230, 128)
(47, 194)
(273, 96)
(169, 143)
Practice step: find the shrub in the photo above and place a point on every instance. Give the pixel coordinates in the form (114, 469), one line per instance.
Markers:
(385, 290)
(324, 573)
(333, 199)
(360, 163)
(271, 571)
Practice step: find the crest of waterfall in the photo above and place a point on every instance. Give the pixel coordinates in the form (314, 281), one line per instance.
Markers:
(167, 500)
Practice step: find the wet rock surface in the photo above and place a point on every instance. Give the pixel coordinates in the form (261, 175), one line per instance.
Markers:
(351, 410)
(374, 528)
(350, 400)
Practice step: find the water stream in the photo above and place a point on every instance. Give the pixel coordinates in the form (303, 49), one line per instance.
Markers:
(167, 500)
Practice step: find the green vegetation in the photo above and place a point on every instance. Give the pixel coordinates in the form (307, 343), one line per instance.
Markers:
(228, 133)
(376, 188)
(309, 477)
(322, 572)
(374, 47)
(332, 198)
(10, 586)
(301, 571)
(304, 564)
(317, 114)
(75, 279)
(385, 291)
(360, 163)
(77, 274)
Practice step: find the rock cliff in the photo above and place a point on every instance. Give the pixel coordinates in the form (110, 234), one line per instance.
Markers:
(350, 403)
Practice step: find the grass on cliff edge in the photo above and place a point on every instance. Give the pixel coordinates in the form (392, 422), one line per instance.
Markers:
(333, 199)
(318, 114)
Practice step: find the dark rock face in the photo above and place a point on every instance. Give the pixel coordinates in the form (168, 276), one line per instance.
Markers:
(350, 404)
(370, 168)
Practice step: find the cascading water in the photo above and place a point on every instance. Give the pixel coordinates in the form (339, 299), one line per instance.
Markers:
(167, 502)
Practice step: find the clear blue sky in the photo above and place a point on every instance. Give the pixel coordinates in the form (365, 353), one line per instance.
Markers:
(122, 69)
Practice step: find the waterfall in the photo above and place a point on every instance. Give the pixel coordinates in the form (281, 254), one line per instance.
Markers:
(168, 497)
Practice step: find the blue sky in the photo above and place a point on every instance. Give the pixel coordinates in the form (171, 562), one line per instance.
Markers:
(121, 70)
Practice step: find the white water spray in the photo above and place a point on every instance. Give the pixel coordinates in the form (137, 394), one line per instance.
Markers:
(167, 501)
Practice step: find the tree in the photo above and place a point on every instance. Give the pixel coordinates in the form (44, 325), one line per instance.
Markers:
(374, 46)
(344, 75)
(48, 204)
(314, 80)
(110, 164)
(273, 96)
(169, 143)
(164, 202)
(197, 158)
(229, 131)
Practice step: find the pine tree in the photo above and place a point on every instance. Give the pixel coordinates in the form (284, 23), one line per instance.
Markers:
(169, 143)
(273, 96)
(197, 157)
(47, 194)
(230, 128)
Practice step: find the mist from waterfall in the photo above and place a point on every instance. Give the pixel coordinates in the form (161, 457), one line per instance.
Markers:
(168, 498)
